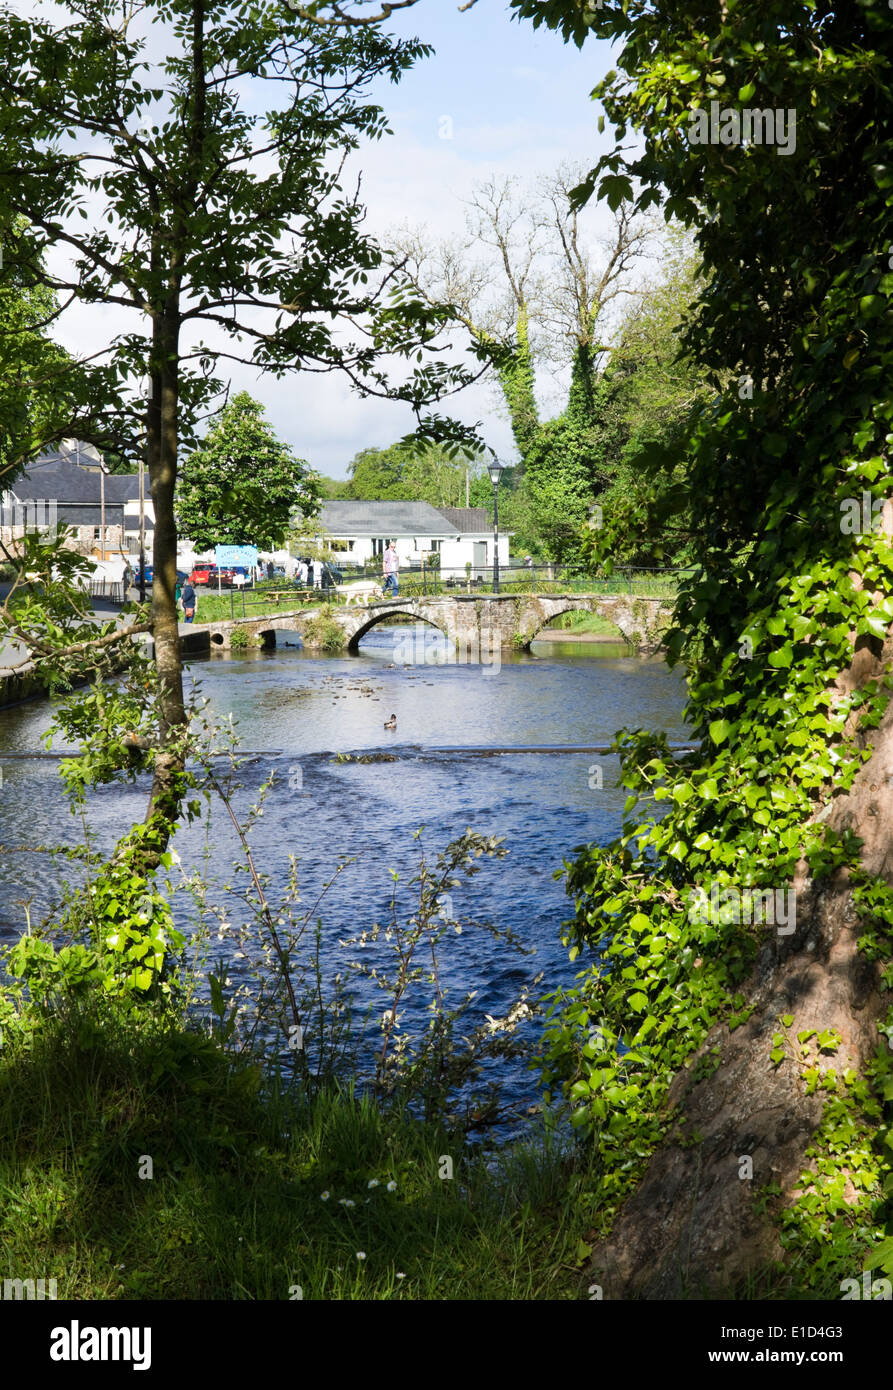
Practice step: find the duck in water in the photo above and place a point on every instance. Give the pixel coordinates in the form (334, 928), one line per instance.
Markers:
(392, 722)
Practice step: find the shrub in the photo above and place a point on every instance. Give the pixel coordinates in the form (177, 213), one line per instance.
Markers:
(324, 633)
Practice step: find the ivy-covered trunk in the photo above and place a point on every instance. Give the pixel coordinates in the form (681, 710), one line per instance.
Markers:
(727, 1053)
(514, 367)
(771, 1130)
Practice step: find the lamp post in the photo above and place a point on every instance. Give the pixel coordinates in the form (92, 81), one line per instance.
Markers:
(496, 470)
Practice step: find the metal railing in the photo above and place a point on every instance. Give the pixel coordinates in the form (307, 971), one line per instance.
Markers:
(539, 578)
(424, 581)
(107, 588)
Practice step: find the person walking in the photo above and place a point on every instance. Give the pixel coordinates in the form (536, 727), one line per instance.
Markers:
(391, 569)
(188, 597)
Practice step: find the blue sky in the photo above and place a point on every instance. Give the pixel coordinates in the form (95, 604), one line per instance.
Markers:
(509, 100)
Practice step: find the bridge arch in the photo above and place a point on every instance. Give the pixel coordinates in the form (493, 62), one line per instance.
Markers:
(542, 621)
(379, 616)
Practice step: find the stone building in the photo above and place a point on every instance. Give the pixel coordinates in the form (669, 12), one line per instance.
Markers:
(70, 486)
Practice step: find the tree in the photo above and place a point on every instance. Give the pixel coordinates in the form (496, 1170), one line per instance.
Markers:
(741, 942)
(180, 200)
(332, 488)
(542, 292)
(38, 398)
(643, 402)
(376, 475)
(241, 486)
(414, 471)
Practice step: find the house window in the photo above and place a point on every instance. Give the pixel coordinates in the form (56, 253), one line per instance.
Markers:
(435, 547)
(378, 545)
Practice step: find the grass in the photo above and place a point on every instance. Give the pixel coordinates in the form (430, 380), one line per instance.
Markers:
(234, 1208)
(581, 621)
(212, 606)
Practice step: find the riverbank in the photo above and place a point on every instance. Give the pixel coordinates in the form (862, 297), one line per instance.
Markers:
(550, 634)
(146, 1161)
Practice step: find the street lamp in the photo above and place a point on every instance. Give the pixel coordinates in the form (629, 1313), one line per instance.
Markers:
(496, 470)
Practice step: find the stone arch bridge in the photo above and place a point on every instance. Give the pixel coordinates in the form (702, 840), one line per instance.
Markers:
(474, 623)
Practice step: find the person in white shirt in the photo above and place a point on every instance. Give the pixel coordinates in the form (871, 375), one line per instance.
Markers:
(391, 568)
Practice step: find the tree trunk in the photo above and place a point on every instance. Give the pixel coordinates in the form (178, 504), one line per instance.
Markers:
(167, 786)
(516, 378)
(692, 1228)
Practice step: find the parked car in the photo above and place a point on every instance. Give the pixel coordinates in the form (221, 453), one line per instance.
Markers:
(205, 574)
(150, 573)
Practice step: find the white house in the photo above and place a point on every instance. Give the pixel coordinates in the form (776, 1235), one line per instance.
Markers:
(358, 533)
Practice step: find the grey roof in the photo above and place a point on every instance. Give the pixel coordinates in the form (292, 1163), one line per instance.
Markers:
(469, 520)
(124, 487)
(57, 475)
(53, 476)
(385, 519)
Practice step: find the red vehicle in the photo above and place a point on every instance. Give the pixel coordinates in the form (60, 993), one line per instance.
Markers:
(207, 575)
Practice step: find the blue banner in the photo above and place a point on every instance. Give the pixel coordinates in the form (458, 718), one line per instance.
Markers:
(228, 555)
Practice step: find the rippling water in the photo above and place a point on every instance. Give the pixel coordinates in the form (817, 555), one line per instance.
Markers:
(296, 711)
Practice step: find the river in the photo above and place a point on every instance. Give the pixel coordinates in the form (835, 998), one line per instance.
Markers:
(295, 712)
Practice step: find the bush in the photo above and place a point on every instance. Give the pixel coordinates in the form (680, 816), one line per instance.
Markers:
(324, 633)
